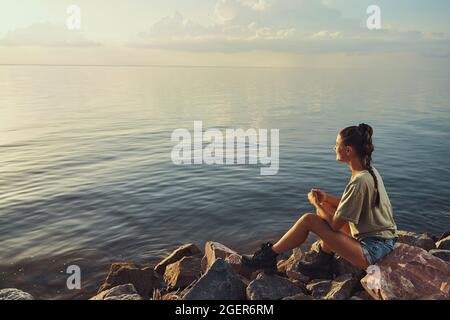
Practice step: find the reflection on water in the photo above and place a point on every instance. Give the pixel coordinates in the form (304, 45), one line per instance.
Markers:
(86, 175)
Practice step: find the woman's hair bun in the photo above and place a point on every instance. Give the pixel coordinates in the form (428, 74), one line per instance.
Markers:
(366, 130)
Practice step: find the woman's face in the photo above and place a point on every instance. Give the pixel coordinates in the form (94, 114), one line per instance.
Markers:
(342, 152)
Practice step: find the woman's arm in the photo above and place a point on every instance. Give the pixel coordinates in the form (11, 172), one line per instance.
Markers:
(334, 201)
(325, 197)
(326, 212)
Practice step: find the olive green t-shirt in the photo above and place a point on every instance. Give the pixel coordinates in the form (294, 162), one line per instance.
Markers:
(357, 207)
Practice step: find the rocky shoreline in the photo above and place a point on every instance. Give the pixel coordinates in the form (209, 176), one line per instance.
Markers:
(418, 268)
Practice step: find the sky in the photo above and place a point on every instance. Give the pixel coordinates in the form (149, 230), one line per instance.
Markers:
(287, 33)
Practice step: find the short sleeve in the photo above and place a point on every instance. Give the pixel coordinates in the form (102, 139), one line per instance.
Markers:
(351, 203)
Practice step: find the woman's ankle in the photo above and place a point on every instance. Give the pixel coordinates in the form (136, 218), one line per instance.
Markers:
(276, 249)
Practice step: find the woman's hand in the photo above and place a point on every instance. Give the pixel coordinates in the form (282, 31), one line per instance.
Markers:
(321, 195)
(313, 199)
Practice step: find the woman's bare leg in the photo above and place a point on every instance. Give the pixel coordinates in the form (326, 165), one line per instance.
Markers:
(345, 229)
(347, 247)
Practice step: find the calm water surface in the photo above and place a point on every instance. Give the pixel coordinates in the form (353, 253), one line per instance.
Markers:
(86, 176)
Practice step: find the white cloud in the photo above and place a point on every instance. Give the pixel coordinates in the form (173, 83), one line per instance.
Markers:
(258, 5)
(46, 35)
(170, 30)
(281, 27)
(325, 34)
(228, 10)
(266, 24)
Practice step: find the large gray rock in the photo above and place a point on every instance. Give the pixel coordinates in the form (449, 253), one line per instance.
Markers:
(185, 250)
(14, 294)
(443, 244)
(182, 273)
(273, 287)
(408, 273)
(424, 241)
(341, 288)
(122, 292)
(441, 254)
(220, 282)
(300, 296)
(144, 279)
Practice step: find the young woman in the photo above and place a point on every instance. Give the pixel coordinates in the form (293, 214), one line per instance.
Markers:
(358, 227)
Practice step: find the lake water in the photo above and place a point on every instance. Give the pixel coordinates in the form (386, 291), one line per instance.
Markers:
(86, 176)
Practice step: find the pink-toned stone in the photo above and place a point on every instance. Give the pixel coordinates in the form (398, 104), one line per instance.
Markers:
(235, 261)
(408, 273)
(444, 235)
(444, 244)
(423, 241)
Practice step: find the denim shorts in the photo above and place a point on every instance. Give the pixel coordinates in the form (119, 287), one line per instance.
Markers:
(375, 248)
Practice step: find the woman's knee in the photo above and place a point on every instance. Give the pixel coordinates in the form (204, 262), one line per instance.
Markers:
(306, 218)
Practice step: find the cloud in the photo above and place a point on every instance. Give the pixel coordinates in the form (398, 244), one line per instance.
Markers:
(46, 35)
(239, 10)
(177, 28)
(300, 26)
(324, 34)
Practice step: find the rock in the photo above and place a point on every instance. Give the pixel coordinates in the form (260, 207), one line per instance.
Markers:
(235, 261)
(290, 266)
(340, 288)
(424, 241)
(408, 273)
(300, 296)
(182, 273)
(315, 247)
(436, 296)
(215, 250)
(185, 250)
(311, 257)
(144, 280)
(340, 266)
(171, 296)
(361, 295)
(297, 275)
(14, 294)
(291, 262)
(441, 254)
(444, 235)
(220, 282)
(282, 265)
(122, 292)
(443, 244)
(272, 287)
